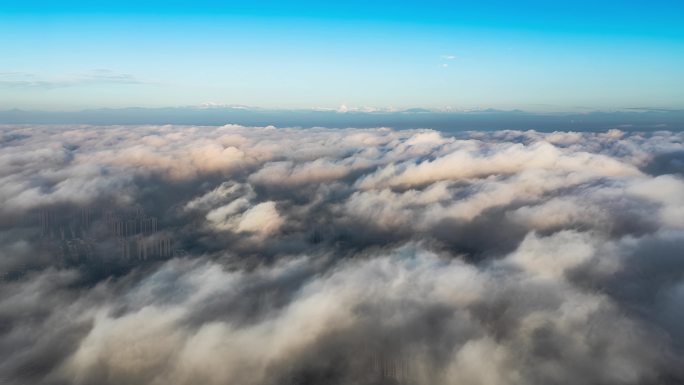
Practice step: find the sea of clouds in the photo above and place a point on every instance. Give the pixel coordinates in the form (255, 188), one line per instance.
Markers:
(340, 256)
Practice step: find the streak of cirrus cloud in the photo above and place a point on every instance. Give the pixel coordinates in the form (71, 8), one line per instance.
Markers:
(261, 255)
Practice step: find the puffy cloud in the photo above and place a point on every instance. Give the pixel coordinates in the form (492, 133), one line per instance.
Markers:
(485, 159)
(261, 255)
(551, 257)
(262, 218)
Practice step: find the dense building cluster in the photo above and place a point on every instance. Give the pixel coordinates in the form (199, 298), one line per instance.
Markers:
(262, 256)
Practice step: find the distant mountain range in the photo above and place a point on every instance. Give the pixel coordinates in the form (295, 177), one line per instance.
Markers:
(637, 119)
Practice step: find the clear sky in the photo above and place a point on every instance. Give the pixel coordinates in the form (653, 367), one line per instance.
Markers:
(532, 55)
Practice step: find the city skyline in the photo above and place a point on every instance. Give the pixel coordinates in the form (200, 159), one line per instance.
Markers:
(341, 193)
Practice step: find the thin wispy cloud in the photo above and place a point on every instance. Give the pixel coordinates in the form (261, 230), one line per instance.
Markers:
(39, 81)
(446, 59)
(341, 193)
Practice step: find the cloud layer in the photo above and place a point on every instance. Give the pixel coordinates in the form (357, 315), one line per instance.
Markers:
(262, 255)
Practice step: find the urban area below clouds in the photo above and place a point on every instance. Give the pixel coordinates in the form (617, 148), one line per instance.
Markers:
(263, 255)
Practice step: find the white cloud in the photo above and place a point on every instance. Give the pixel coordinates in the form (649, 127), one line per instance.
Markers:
(335, 255)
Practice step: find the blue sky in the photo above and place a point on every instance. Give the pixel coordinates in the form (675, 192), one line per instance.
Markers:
(531, 55)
